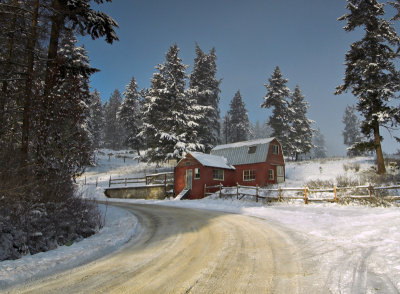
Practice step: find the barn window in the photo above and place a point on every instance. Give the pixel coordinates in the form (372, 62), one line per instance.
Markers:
(275, 149)
(197, 173)
(218, 174)
(187, 162)
(252, 149)
(249, 175)
(271, 174)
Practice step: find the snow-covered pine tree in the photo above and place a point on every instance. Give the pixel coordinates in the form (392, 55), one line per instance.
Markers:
(63, 140)
(226, 129)
(371, 74)
(171, 117)
(301, 138)
(204, 88)
(96, 119)
(113, 129)
(130, 116)
(352, 131)
(276, 97)
(239, 125)
(319, 147)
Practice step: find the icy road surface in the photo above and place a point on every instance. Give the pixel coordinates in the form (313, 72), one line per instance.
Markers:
(182, 250)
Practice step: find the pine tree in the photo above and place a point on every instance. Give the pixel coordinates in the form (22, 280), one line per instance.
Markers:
(63, 132)
(371, 74)
(301, 136)
(319, 149)
(276, 97)
(130, 116)
(226, 129)
(171, 117)
(204, 88)
(113, 130)
(239, 120)
(352, 131)
(96, 119)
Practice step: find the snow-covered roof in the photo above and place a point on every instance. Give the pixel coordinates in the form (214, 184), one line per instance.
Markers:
(240, 153)
(244, 143)
(211, 160)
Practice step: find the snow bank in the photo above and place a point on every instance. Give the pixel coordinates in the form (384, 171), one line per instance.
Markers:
(120, 226)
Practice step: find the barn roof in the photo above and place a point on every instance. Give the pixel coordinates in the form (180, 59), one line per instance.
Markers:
(211, 160)
(247, 152)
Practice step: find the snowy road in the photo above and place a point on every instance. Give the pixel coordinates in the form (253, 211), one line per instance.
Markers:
(197, 251)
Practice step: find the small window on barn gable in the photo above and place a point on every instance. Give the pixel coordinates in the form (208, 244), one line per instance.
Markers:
(252, 150)
(187, 162)
(275, 149)
(271, 174)
(218, 174)
(197, 173)
(249, 175)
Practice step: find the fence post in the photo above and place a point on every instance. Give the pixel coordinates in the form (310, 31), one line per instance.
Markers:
(371, 191)
(237, 191)
(334, 190)
(256, 193)
(220, 190)
(205, 190)
(97, 181)
(85, 180)
(280, 193)
(165, 185)
(305, 195)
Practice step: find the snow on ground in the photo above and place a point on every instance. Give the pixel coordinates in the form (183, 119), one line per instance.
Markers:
(354, 247)
(120, 226)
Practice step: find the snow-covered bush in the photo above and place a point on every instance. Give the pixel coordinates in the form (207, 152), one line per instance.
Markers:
(39, 213)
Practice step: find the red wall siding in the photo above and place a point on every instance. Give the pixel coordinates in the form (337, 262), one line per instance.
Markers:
(231, 177)
(206, 177)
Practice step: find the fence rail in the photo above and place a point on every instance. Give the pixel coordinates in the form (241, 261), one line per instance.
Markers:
(303, 193)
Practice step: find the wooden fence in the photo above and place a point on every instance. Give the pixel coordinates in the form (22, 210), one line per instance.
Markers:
(153, 179)
(302, 193)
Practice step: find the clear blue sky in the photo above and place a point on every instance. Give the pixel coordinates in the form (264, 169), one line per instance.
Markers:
(302, 37)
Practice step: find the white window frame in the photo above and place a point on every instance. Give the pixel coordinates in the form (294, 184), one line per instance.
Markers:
(249, 175)
(219, 171)
(275, 149)
(197, 173)
(271, 174)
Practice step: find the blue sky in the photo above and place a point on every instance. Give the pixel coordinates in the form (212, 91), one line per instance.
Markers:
(302, 37)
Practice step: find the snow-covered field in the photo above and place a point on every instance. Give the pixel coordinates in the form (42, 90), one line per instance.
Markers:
(356, 248)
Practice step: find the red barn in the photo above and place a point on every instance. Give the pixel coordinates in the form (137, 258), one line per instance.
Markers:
(256, 162)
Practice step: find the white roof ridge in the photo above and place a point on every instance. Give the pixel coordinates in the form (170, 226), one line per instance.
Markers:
(244, 143)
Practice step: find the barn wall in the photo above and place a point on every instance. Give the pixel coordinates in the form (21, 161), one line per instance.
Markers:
(206, 178)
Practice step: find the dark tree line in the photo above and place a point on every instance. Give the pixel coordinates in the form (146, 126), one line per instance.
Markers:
(45, 131)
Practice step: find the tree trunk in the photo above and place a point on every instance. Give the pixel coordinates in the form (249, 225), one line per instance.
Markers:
(378, 150)
(29, 81)
(57, 22)
(7, 69)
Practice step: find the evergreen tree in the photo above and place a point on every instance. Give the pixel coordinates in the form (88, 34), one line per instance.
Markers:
(276, 97)
(96, 119)
(371, 74)
(302, 132)
(130, 116)
(319, 149)
(226, 129)
(171, 117)
(63, 135)
(351, 133)
(239, 125)
(113, 130)
(204, 88)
